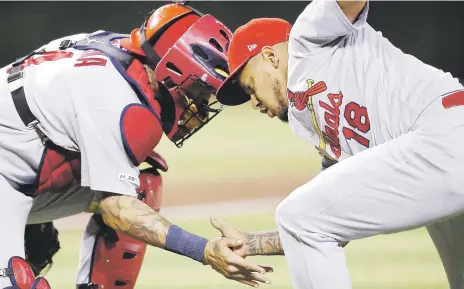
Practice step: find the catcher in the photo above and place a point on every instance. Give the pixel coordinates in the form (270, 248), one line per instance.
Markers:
(77, 118)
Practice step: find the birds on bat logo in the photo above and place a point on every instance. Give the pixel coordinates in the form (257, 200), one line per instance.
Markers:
(301, 99)
(328, 131)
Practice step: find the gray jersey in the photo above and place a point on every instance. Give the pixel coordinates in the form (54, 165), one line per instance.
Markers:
(396, 127)
(360, 89)
(78, 98)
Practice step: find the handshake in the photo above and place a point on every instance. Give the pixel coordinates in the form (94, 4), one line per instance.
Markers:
(227, 254)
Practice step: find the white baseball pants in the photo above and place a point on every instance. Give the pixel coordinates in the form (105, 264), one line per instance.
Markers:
(412, 181)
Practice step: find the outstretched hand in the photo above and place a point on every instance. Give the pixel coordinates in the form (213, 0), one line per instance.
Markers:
(218, 254)
(231, 232)
(254, 243)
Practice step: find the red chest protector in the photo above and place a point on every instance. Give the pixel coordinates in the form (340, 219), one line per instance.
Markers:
(140, 124)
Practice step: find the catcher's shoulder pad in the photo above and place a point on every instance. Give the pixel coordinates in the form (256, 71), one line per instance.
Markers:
(141, 132)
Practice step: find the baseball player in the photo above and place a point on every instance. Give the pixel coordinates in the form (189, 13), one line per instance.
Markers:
(390, 129)
(77, 118)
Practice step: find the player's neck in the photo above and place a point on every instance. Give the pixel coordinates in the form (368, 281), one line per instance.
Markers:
(151, 78)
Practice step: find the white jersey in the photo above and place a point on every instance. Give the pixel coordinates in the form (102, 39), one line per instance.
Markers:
(349, 88)
(77, 97)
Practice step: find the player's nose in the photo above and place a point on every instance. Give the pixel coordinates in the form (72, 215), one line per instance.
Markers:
(255, 104)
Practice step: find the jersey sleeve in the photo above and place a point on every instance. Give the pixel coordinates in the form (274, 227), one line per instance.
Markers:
(105, 164)
(319, 24)
(100, 95)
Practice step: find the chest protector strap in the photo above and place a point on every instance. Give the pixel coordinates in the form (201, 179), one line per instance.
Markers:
(59, 168)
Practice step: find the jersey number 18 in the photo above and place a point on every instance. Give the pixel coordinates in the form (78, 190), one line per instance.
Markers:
(357, 118)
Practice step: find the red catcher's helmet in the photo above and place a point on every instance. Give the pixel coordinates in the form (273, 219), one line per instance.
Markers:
(188, 52)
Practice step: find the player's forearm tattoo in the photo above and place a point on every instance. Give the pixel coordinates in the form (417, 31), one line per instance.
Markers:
(264, 243)
(136, 219)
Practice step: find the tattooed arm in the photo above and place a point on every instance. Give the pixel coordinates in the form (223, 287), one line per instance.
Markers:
(263, 243)
(135, 218)
(132, 217)
(254, 243)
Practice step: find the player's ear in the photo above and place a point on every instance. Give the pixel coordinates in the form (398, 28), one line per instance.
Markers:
(270, 55)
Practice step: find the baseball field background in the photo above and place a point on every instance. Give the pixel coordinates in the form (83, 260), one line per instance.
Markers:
(238, 168)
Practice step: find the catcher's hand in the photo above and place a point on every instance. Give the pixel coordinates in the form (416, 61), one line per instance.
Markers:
(41, 244)
(218, 254)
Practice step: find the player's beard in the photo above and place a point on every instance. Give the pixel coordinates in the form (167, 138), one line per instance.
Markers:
(281, 98)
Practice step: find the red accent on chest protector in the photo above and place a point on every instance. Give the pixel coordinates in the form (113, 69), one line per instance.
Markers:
(141, 132)
(58, 170)
(151, 188)
(137, 72)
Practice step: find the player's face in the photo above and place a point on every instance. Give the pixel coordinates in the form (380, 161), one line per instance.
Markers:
(195, 113)
(196, 108)
(266, 83)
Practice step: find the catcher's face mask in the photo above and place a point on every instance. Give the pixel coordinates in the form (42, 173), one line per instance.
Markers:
(197, 99)
(188, 52)
(190, 74)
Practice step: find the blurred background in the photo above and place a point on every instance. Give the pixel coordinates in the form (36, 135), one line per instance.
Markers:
(242, 164)
(429, 30)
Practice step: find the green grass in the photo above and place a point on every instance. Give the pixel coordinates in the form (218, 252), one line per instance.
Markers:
(240, 143)
(404, 261)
